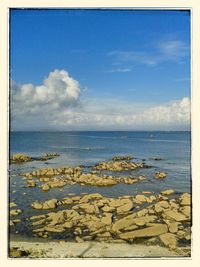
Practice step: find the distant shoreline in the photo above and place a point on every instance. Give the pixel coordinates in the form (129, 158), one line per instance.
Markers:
(64, 131)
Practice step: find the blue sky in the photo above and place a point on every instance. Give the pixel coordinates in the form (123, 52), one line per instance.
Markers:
(130, 58)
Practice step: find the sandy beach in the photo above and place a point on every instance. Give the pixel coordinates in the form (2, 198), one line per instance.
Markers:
(62, 249)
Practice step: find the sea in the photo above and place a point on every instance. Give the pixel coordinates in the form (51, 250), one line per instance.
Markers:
(91, 147)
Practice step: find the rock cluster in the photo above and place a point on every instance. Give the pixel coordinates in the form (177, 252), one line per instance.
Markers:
(50, 172)
(94, 217)
(13, 213)
(59, 177)
(20, 158)
(118, 165)
(49, 156)
(120, 158)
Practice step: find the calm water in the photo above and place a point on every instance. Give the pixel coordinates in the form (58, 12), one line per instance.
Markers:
(88, 148)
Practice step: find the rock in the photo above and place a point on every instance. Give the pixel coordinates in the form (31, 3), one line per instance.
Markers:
(67, 201)
(123, 223)
(11, 223)
(185, 199)
(39, 222)
(75, 198)
(50, 204)
(15, 212)
(146, 232)
(125, 207)
(142, 212)
(89, 197)
(140, 199)
(161, 205)
(173, 227)
(128, 180)
(13, 204)
(186, 210)
(37, 217)
(68, 225)
(56, 183)
(54, 229)
(20, 158)
(142, 178)
(160, 175)
(141, 221)
(117, 202)
(156, 158)
(93, 179)
(107, 218)
(106, 208)
(146, 192)
(131, 220)
(16, 221)
(49, 156)
(45, 187)
(88, 208)
(167, 192)
(18, 253)
(36, 205)
(118, 166)
(116, 158)
(31, 183)
(173, 204)
(174, 215)
(169, 240)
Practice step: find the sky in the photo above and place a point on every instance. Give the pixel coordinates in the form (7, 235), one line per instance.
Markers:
(100, 69)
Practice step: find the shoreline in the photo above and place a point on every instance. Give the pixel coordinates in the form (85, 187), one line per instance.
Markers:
(89, 249)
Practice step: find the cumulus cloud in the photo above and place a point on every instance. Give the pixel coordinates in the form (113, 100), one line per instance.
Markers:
(58, 91)
(57, 104)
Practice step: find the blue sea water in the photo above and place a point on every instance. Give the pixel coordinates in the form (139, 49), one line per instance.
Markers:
(89, 148)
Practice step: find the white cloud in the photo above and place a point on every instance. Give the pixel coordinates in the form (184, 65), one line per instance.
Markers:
(56, 104)
(58, 91)
(171, 50)
(123, 70)
(119, 115)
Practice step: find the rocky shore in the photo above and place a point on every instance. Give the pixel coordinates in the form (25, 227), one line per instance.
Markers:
(146, 219)
(23, 158)
(143, 219)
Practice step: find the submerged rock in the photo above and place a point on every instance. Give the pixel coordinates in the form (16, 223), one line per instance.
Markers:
(160, 175)
(49, 156)
(120, 158)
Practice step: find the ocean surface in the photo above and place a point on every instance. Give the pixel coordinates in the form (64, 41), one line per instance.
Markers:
(89, 148)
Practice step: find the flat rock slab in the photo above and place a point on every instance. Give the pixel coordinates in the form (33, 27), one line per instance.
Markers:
(92, 250)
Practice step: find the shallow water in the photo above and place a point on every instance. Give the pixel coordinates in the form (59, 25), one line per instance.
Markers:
(89, 148)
